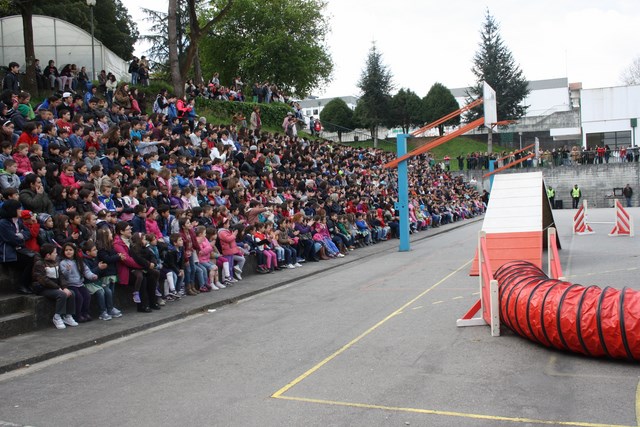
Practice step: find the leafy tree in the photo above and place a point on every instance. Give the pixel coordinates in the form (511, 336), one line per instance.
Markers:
(438, 103)
(25, 9)
(374, 106)
(494, 63)
(216, 14)
(279, 41)
(158, 38)
(631, 75)
(336, 116)
(406, 110)
(114, 27)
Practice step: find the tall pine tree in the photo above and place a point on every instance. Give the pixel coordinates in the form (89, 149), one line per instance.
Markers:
(374, 106)
(494, 63)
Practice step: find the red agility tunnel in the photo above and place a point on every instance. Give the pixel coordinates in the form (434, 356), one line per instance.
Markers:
(584, 319)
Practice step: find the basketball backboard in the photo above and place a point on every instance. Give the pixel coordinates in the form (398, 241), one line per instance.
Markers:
(490, 109)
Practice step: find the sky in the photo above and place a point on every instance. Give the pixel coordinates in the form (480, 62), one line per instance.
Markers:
(424, 41)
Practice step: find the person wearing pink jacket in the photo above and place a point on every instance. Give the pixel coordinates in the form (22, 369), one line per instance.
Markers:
(228, 246)
(151, 223)
(204, 258)
(129, 271)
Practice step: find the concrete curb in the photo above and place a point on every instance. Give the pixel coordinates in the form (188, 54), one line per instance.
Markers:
(48, 353)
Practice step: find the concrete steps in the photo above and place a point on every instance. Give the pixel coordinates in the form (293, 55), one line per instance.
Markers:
(17, 315)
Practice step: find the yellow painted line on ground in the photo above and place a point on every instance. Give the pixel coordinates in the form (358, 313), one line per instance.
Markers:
(417, 308)
(437, 302)
(449, 413)
(457, 297)
(476, 293)
(600, 273)
(344, 348)
(638, 404)
(550, 370)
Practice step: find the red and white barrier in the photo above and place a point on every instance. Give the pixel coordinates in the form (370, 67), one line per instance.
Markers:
(580, 224)
(624, 223)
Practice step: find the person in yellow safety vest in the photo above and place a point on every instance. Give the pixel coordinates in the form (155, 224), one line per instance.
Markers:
(575, 196)
(551, 194)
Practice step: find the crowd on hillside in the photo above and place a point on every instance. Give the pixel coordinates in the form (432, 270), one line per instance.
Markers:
(171, 205)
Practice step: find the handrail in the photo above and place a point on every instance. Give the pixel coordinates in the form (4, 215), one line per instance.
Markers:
(516, 152)
(555, 268)
(509, 165)
(448, 117)
(436, 142)
(486, 264)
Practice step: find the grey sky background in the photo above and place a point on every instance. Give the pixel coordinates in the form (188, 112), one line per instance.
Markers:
(423, 42)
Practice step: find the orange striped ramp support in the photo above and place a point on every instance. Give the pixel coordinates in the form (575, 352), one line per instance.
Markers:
(517, 214)
(624, 223)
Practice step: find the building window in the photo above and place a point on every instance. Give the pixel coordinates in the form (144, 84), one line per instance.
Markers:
(315, 112)
(612, 139)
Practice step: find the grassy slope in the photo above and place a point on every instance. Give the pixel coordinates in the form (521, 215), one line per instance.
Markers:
(453, 148)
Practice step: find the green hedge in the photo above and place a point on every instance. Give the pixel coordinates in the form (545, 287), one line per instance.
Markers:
(271, 115)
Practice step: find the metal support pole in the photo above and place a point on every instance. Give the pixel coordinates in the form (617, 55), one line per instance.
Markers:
(93, 52)
(403, 194)
(492, 167)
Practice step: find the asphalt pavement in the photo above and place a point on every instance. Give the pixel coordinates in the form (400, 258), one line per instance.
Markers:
(371, 342)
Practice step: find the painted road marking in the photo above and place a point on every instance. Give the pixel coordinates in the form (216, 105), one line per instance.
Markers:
(437, 302)
(417, 308)
(638, 404)
(457, 297)
(599, 273)
(450, 413)
(280, 393)
(364, 334)
(550, 369)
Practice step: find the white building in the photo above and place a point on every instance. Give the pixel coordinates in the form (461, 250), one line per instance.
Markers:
(610, 116)
(61, 41)
(312, 107)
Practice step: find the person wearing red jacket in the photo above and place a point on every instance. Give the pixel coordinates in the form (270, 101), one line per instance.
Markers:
(22, 160)
(67, 178)
(31, 223)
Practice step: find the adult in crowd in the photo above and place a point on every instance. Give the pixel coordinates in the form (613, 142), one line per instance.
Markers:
(13, 238)
(627, 192)
(33, 197)
(576, 193)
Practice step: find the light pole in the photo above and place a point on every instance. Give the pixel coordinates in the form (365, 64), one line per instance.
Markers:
(91, 4)
(520, 133)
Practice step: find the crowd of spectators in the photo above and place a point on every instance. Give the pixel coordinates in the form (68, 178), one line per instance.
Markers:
(170, 205)
(563, 156)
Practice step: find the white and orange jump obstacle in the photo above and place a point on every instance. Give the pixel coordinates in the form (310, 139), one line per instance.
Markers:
(622, 226)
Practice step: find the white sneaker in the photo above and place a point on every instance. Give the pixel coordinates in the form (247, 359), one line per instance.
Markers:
(214, 287)
(104, 316)
(220, 286)
(297, 264)
(290, 266)
(68, 320)
(340, 255)
(57, 321)
(115, 312)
